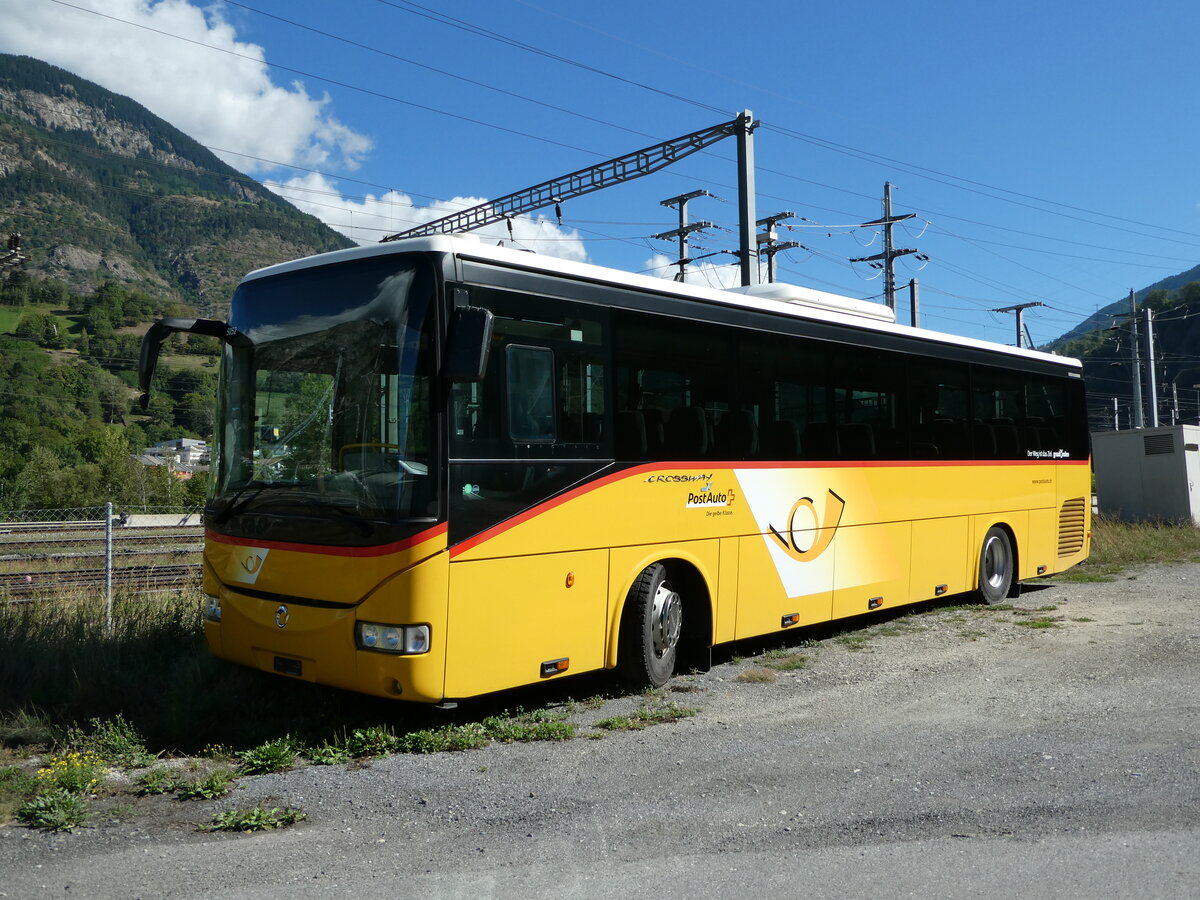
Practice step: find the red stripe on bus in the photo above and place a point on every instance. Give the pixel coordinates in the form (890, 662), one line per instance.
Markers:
(382, 550)
(535, 511)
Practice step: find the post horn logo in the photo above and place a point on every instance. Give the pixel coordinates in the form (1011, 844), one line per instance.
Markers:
(252, 562)
(281, 616)
(821, 538)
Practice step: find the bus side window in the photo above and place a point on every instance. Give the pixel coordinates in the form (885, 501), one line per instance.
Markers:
(996, 413)
(1046, 405)
(939, 410)
(679, 381)
(543, 395)
(530, 386)
(868, 413)
(784, 383)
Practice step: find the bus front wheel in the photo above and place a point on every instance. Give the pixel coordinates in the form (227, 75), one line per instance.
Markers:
(650, 629)
(996, 566)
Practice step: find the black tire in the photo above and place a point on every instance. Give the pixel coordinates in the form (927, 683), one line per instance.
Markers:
(650, 629)
(996, 566)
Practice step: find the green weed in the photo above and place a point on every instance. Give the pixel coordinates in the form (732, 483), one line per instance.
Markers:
(328, 754)
(852, 641)
(538, 725)
(74, 772)
(789, 663)
(255, 819)
(216, 784)
(113, 740)
(647, 716)
(54, 810)
(15, 787)
(374, 740)
(278, 755)
(156, 781)
(468, 736)
(218, 752)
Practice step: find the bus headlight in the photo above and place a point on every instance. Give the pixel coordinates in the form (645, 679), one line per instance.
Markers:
(212, 607)
(400, 639)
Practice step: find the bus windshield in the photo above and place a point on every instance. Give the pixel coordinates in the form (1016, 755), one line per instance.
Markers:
(327, 415)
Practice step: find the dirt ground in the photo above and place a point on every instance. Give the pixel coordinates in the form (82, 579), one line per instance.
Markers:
(1050, 749)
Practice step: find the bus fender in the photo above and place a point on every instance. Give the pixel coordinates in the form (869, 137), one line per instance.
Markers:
(692, 571)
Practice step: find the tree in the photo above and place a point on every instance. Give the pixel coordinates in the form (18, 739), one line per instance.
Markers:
(196, 412)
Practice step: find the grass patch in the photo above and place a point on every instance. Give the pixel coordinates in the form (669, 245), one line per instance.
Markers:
(1038, 622)
(467, 736)
(852, 641)
(20, 728)
(786, 661)
(1119, 545)
(16, 786)
(254, 819)
(150, 687)
(758, 675)
(1076, 576)
(652, 714)
(522, 727)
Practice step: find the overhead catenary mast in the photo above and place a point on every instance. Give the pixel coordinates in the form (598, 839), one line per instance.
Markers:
(617, 171)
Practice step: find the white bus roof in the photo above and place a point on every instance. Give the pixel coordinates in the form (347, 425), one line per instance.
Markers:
(779, 298)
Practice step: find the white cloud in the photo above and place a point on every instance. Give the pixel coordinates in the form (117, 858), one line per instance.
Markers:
(223, 99)
(705, 274)
(226, 98)
(367, 219)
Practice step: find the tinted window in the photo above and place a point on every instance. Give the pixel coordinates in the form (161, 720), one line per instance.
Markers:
(674, 386)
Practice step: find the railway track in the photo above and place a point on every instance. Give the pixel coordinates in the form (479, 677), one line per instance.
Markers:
(140, 553)
(31, 584)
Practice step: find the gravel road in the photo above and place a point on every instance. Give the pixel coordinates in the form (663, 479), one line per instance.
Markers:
(957, 753)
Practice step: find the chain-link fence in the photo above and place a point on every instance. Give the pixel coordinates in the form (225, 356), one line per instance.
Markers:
(46, 552)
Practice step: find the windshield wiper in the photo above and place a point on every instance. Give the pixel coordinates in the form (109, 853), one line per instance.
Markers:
(238, 501)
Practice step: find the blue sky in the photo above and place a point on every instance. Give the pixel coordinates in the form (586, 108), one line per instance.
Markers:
(1048, 149)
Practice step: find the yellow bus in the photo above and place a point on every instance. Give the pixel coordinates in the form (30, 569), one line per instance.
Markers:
(444, 469)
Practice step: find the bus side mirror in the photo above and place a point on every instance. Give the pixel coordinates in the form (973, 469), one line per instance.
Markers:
(163, 329)
(468, 343)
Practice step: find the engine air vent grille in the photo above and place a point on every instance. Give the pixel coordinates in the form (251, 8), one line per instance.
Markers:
(1071, 519)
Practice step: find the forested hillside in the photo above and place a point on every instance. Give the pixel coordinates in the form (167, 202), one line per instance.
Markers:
(101, 189)
(123, 219)
(1107, 360)
(68, 422)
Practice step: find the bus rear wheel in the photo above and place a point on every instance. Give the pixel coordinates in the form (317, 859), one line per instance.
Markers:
(650, 629)
(996, 566)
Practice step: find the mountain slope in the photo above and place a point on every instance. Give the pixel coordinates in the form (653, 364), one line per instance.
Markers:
(1103, 318)
(102, 189)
